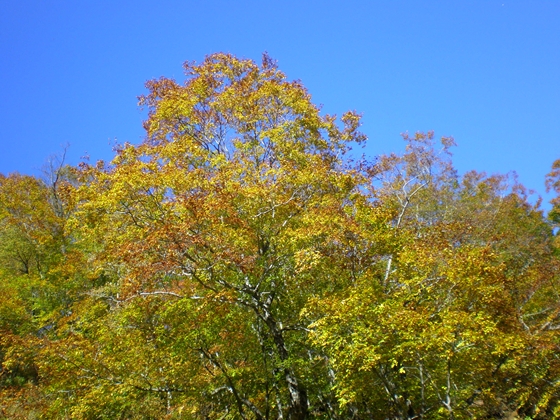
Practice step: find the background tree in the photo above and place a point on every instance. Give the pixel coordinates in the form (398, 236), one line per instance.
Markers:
(38, 280)
(553, 184)
(461, 307)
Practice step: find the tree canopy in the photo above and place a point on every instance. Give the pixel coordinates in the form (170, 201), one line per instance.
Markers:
(242, 263)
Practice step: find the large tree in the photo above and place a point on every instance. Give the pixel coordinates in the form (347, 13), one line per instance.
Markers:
(207, 239)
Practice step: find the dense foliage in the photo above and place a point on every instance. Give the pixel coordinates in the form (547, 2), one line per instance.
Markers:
(238, 264)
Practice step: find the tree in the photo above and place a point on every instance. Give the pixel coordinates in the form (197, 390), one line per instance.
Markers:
(553, 184)
(447, 323)
(37, 272)
(215, 230)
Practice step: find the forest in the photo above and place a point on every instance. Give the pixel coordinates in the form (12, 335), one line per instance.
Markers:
(245, 262)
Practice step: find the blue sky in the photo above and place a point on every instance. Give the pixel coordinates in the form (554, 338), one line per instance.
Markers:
(486, 72)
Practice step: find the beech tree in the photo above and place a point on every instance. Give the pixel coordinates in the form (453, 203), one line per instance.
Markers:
(460, 311)
(37, 281)
(208, 237)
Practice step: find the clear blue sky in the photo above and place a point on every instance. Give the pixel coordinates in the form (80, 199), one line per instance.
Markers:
(484, 71)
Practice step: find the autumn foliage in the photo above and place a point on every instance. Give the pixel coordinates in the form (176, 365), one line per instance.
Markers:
(243, 263)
